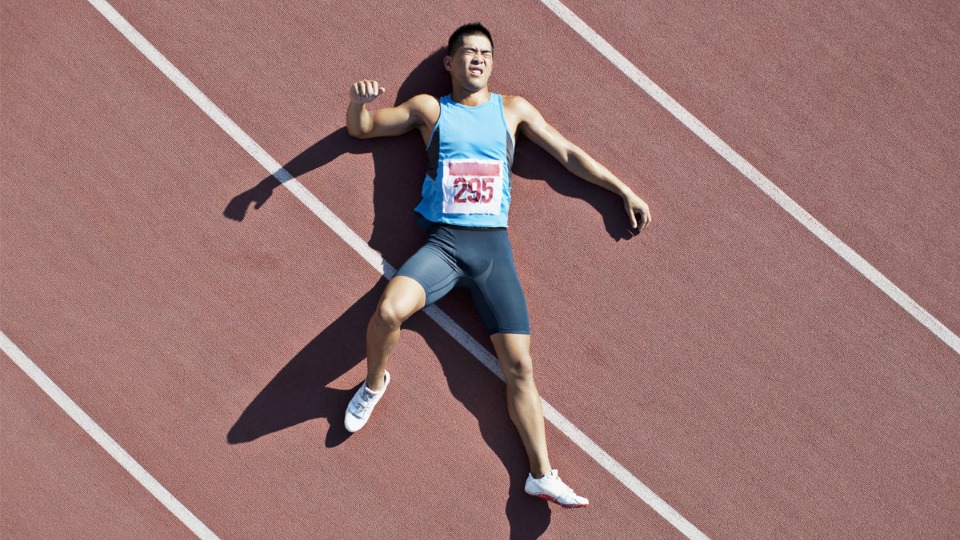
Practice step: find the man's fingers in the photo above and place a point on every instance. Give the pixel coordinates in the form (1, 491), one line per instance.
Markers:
(638, 213)
(366, 91)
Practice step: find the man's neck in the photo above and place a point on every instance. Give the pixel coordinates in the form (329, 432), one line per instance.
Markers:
(470, 98)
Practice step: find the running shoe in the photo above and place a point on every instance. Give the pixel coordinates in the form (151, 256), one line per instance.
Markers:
(552, 488)
(362, 404)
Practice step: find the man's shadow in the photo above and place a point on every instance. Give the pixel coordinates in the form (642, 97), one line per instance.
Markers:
(300, 393)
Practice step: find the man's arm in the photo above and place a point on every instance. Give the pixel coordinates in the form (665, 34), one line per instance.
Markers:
(390, 121)
(574, 159)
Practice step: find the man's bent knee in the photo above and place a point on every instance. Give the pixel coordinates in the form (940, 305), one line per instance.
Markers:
(402, 298)
(389, 316)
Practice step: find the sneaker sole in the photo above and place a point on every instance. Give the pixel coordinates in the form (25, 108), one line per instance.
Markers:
(352, 430)
(548, 498)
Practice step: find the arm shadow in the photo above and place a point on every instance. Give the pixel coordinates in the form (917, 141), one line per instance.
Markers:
(534, 163)
(399, 167)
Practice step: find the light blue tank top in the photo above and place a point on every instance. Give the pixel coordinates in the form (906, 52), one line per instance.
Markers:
(468, 166)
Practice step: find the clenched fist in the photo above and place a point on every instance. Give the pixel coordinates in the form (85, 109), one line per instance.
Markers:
(365, 91)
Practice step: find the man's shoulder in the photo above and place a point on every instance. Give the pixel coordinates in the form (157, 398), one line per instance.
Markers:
(518, 107)
(424, 107)
(514, 101)
(422, 101)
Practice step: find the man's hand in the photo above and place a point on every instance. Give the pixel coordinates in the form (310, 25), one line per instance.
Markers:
(636, 206)
(365, 91)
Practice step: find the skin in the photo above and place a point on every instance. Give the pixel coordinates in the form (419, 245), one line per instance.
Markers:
(470, 67)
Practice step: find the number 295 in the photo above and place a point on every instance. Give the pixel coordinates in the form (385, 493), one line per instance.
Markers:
(473, 190)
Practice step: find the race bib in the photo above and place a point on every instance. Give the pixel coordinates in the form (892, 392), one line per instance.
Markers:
(472, 186)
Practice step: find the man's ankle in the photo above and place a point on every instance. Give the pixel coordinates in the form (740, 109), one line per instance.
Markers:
(379, 387)
(539, 474)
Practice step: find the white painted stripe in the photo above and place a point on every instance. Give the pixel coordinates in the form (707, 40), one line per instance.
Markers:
(627, 478)
(103, 439)
(754, 175)
(241, 138)
(376, 260)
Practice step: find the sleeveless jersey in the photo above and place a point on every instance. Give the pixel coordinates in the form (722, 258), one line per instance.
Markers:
(468, 166)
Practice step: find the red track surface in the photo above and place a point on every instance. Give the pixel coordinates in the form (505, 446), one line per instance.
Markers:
(726, 357)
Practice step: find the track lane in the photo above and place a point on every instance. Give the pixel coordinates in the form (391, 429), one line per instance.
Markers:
(53, 472)
(848, 108)
(935, 516)
(561, 259)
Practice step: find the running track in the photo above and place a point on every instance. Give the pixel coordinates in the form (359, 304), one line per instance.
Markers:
(726, 358)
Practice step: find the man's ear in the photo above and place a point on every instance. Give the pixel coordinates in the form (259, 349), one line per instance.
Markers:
(447, 62)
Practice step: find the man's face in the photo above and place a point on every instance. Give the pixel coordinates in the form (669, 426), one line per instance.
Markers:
(471, 64)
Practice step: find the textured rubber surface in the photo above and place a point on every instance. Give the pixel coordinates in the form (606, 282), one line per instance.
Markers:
(213, 326)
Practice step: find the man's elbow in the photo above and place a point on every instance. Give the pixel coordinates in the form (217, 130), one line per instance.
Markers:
(357, 131)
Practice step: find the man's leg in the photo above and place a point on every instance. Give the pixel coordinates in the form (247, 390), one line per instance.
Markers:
(523, 399)
(427, 270)
(526, 411)
(402, 298)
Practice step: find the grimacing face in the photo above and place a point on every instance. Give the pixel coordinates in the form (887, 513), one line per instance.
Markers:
(472, 63)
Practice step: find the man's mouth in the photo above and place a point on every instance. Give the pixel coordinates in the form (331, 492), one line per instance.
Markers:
(476, 71)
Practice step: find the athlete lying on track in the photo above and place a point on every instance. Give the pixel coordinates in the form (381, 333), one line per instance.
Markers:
(470, 136)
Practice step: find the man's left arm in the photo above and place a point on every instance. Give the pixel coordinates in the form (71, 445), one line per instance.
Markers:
(532, 124)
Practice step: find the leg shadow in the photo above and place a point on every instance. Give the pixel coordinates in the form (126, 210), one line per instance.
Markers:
(299, 392)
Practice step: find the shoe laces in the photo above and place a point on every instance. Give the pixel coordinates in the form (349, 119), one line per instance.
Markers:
(366, 396)
(562, 487)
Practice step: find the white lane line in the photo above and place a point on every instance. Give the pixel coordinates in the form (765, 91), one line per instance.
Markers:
(103, 439)
(376, 260)
(754, 175)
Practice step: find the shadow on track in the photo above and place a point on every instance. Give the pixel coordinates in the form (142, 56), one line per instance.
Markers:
(533, 163)
(299, 392)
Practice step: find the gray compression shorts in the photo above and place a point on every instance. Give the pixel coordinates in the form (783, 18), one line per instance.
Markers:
(480, 260)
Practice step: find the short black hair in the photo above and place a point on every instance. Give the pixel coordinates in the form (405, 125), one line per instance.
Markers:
(472, 29)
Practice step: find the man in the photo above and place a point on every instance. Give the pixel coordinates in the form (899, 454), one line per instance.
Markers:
(470, 136)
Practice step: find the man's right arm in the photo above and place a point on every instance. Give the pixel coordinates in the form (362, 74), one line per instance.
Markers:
(386, 122)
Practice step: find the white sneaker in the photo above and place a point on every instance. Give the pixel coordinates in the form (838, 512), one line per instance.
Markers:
(362, 404)
(552, 488)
